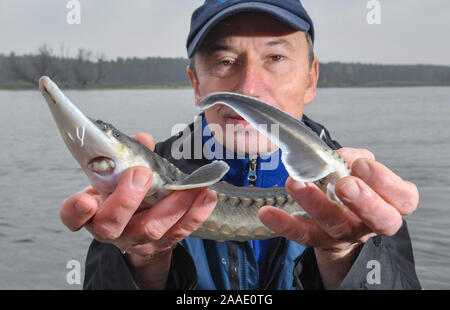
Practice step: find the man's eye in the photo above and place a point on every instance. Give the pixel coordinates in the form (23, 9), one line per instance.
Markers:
(276, 58)
(227, 62)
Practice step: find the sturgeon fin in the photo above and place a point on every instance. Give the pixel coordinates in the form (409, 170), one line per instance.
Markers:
(204, 176)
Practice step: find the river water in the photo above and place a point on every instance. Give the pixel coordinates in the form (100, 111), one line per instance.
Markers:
(406, 128)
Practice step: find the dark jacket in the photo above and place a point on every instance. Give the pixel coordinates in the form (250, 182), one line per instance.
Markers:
(383, 263)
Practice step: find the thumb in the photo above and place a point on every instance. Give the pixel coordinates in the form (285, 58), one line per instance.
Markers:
(146, 139)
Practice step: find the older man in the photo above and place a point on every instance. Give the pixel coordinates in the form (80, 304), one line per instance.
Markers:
(261, 49)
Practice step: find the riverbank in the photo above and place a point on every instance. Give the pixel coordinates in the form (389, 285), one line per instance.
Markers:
(29, 86)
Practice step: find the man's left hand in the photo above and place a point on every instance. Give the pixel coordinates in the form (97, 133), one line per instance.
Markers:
(375, 200)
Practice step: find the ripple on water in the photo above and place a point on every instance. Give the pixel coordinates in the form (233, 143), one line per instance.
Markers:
(24, 240)
(4, 224)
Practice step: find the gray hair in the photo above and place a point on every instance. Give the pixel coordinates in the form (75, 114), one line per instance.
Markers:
(310, 55)
(310, 48)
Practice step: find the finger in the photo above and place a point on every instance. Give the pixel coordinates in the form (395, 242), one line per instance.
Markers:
(91, 191)
(146, 139)
(351, 154)
(114, 214)
(152, 224)
(339, 223)
(201, 209)
(404, 196)
(78, 209)
(295, 228)
(376, 213)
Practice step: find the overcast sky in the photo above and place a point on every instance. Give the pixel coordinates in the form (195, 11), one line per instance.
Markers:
(411, 31)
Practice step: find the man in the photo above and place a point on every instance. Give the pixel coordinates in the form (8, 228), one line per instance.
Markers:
(261, 49)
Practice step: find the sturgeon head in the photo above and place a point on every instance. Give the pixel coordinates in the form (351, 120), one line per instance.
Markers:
(104, 153)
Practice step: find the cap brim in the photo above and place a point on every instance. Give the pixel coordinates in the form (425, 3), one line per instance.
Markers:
(281, 14)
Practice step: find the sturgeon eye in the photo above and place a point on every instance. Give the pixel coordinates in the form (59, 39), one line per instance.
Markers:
(103, 126)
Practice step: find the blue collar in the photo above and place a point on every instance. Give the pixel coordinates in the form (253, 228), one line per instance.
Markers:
(240, 175)
(270, 171)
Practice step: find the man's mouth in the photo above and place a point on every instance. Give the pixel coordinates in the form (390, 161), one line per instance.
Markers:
(237, 120)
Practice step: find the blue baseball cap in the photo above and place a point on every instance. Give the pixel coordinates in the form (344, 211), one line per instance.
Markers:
(212, 12)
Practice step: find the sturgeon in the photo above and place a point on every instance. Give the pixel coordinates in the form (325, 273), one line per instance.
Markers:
(104, 153)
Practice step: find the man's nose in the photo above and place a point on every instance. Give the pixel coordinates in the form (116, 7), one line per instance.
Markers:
(251, 79)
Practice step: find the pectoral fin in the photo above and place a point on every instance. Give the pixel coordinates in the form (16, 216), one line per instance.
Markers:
(204, 176)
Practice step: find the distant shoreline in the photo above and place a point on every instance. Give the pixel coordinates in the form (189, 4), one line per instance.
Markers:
(85, 72)
(29, 86)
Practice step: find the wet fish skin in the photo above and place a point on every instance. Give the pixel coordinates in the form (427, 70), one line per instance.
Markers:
(104, 153)
(306, 157)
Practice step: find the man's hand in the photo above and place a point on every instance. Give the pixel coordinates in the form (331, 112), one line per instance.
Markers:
(375, 200)
(147, 236)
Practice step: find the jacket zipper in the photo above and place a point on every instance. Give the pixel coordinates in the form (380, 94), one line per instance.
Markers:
(252, 164)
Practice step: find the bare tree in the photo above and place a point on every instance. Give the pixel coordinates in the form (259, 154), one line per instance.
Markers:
(63, 51)
(82, 68)
(101, 66)
(44, 62)
(20, 70)
(30, 68)
(64, 69)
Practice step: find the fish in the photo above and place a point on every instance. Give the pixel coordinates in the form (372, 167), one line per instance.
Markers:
(306, 156)
(104, 153)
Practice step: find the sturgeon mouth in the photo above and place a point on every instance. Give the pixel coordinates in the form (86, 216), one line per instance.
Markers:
(102, 165)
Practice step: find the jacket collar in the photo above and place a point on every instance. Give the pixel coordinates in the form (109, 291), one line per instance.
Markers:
(269, 170)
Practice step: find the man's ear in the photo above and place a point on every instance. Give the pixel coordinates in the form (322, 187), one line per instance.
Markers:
(313, 79)
(195, 84)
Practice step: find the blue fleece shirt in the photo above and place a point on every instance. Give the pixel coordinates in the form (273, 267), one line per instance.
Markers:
(269, 172)
(244, 265)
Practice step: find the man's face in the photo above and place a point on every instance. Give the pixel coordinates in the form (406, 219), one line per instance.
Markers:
(255, 55)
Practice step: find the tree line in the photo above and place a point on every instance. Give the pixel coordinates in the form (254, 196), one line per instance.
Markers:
(89, 70)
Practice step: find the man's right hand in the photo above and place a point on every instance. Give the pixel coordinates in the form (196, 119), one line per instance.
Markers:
(147, 236)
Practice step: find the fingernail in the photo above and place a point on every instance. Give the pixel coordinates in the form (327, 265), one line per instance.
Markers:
(82, 209)
(140, 178)
(208, 197)
(363, 169)
(296, 185)
(270, 220)
(350, 190)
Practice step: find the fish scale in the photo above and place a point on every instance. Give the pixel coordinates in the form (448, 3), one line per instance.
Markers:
(235, 216)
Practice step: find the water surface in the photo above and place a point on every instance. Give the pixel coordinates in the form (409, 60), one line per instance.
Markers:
(406, 128)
